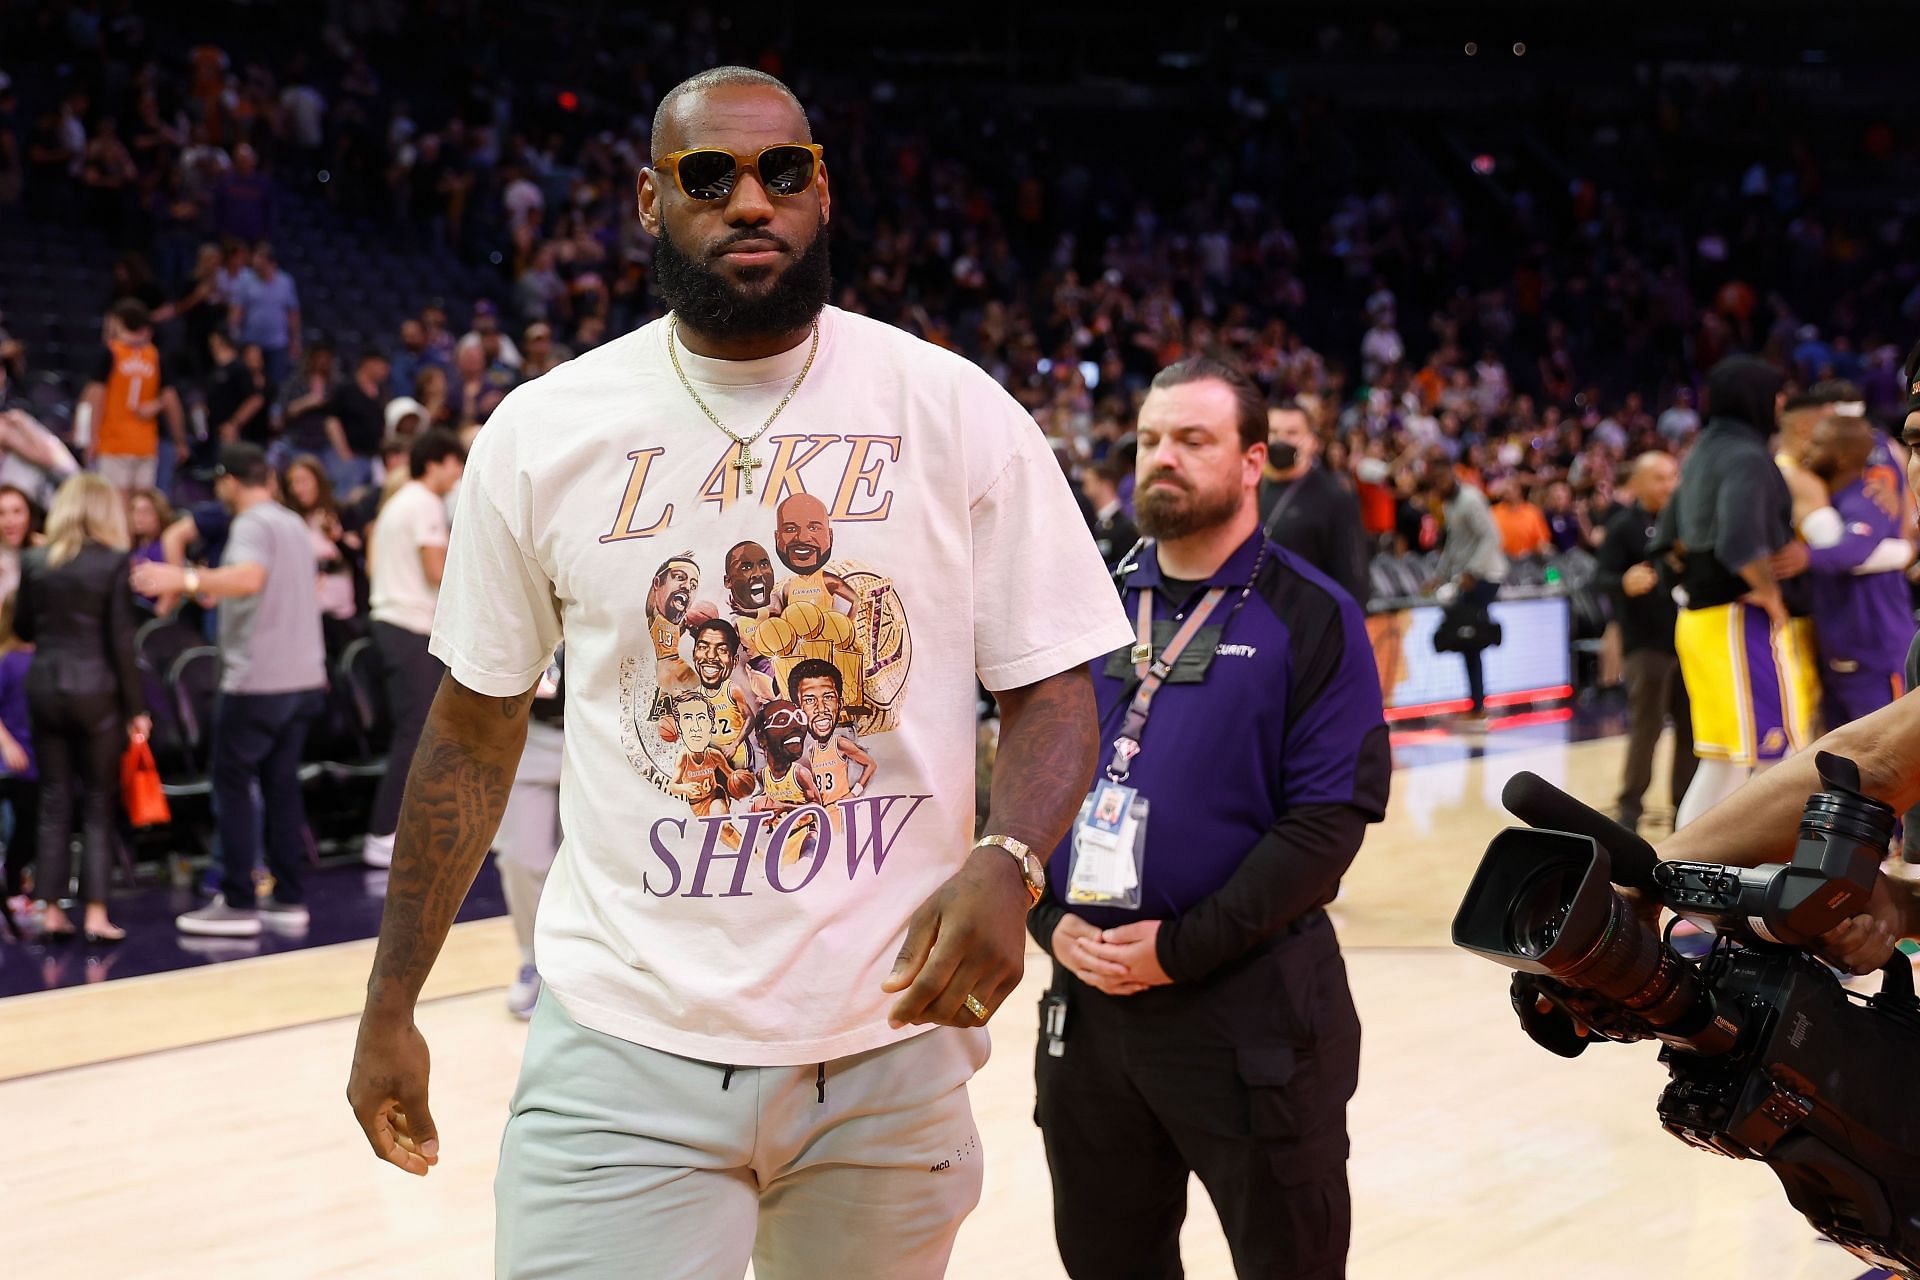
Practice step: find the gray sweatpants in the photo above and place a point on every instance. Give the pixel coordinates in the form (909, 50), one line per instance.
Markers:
(623, 1161)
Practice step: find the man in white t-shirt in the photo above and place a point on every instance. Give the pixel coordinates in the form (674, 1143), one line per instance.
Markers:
(739, 1054)
(405, 565)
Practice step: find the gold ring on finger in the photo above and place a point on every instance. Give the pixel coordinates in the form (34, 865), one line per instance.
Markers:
(975, 1008)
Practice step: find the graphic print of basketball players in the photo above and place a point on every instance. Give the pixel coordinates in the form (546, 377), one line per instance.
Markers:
(670, 612)
(748, 578)
(785, 781)
(705, 778)
(716, 648)
(833, 750)
(814, 607)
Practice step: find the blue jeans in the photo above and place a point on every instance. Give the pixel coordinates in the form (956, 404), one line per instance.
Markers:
(259, 737)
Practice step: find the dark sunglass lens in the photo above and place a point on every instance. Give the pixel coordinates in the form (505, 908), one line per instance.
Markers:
(707, 175)
(786, 171)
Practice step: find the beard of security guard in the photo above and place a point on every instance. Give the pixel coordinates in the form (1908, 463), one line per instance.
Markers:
(1173, 507)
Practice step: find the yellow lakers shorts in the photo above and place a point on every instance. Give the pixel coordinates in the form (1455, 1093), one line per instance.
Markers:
(1754, 688)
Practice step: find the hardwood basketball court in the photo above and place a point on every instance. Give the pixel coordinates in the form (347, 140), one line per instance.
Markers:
(193, 1124)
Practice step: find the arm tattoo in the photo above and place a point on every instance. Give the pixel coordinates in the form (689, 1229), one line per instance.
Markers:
(1049, 744)
(456, 792)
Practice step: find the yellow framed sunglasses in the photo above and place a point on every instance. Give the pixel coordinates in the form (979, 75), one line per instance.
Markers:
(709, 173)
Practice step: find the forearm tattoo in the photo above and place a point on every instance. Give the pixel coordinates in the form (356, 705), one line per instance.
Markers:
(456, 792)
(1049, 744)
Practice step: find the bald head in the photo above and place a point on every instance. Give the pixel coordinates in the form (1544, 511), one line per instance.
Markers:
(803, 538)
(1652, 479)
(1838, 449)
(671, 123)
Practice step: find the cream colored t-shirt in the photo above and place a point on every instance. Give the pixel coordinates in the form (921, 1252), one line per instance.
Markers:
(400, 594)
(907, 529)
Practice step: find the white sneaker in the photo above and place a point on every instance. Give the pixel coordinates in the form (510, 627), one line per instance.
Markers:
(524, 992)
(218, 920)
(377, 851)
(284, 915)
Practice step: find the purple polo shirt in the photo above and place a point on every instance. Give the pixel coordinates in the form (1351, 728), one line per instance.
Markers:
(1867, 618)
(1287, 716)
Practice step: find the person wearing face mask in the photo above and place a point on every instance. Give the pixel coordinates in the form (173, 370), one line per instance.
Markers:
(1305, 508)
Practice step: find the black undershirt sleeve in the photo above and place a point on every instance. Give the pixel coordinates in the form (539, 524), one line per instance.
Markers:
(1293, 869)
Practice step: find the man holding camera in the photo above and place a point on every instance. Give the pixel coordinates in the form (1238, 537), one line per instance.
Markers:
(1200, 1021)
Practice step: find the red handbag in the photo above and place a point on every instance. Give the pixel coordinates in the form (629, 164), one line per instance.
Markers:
(140, 787)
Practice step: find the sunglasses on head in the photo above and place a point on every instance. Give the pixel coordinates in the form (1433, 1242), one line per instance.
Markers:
(710, 173)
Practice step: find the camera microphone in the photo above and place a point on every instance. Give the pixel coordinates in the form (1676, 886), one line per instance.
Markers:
(1538, 803)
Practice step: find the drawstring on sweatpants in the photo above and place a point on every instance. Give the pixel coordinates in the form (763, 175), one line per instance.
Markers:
(820, 1081)
(726, 1080)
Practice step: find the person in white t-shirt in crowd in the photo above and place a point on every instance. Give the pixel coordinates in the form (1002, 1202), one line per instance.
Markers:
(757, 1017)
(405, 563)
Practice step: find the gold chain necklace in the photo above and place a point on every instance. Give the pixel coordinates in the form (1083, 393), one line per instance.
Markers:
(744, 462)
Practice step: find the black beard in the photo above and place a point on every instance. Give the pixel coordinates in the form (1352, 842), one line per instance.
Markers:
(708, 302)
(1166, 514)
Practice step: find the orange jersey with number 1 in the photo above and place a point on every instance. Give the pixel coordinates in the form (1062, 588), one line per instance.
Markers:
(134, 380)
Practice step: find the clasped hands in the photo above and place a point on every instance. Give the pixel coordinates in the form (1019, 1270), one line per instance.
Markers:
(1119, 962)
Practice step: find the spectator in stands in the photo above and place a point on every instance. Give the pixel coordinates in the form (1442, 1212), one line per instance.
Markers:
(243, 202)
(360, 407)
(479, 388)
(84, 693)
(125, 400)
(1305, 508)
(19, 780)
(1522, 525)
(1565, 524)
(431, 392)
(1679, 422)
(310, 495)
(406, 417)
(413, 356)
(238, 397)
(109, 179)
(19, 530)
(266, 313)
(542, 353)
(1646, 614)
(1113, 529)
(308, 422)
(486, 332)
(202, 310)
(407, 556)
(273, 682)
(148, 515)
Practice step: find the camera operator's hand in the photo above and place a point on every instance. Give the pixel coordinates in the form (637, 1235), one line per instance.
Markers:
(1865, 942)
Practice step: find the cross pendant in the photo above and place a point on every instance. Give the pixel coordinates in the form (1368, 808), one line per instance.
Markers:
(746, 464)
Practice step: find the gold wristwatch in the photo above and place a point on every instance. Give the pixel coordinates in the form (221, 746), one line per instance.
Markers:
(1032, 870)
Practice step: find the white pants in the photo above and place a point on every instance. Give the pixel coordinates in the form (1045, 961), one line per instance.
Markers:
(530, 831)
(623, 1161)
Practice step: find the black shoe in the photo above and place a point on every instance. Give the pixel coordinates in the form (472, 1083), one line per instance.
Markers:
(105, 939)
(57, 935)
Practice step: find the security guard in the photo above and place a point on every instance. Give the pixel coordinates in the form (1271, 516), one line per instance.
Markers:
(1199, 1019)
